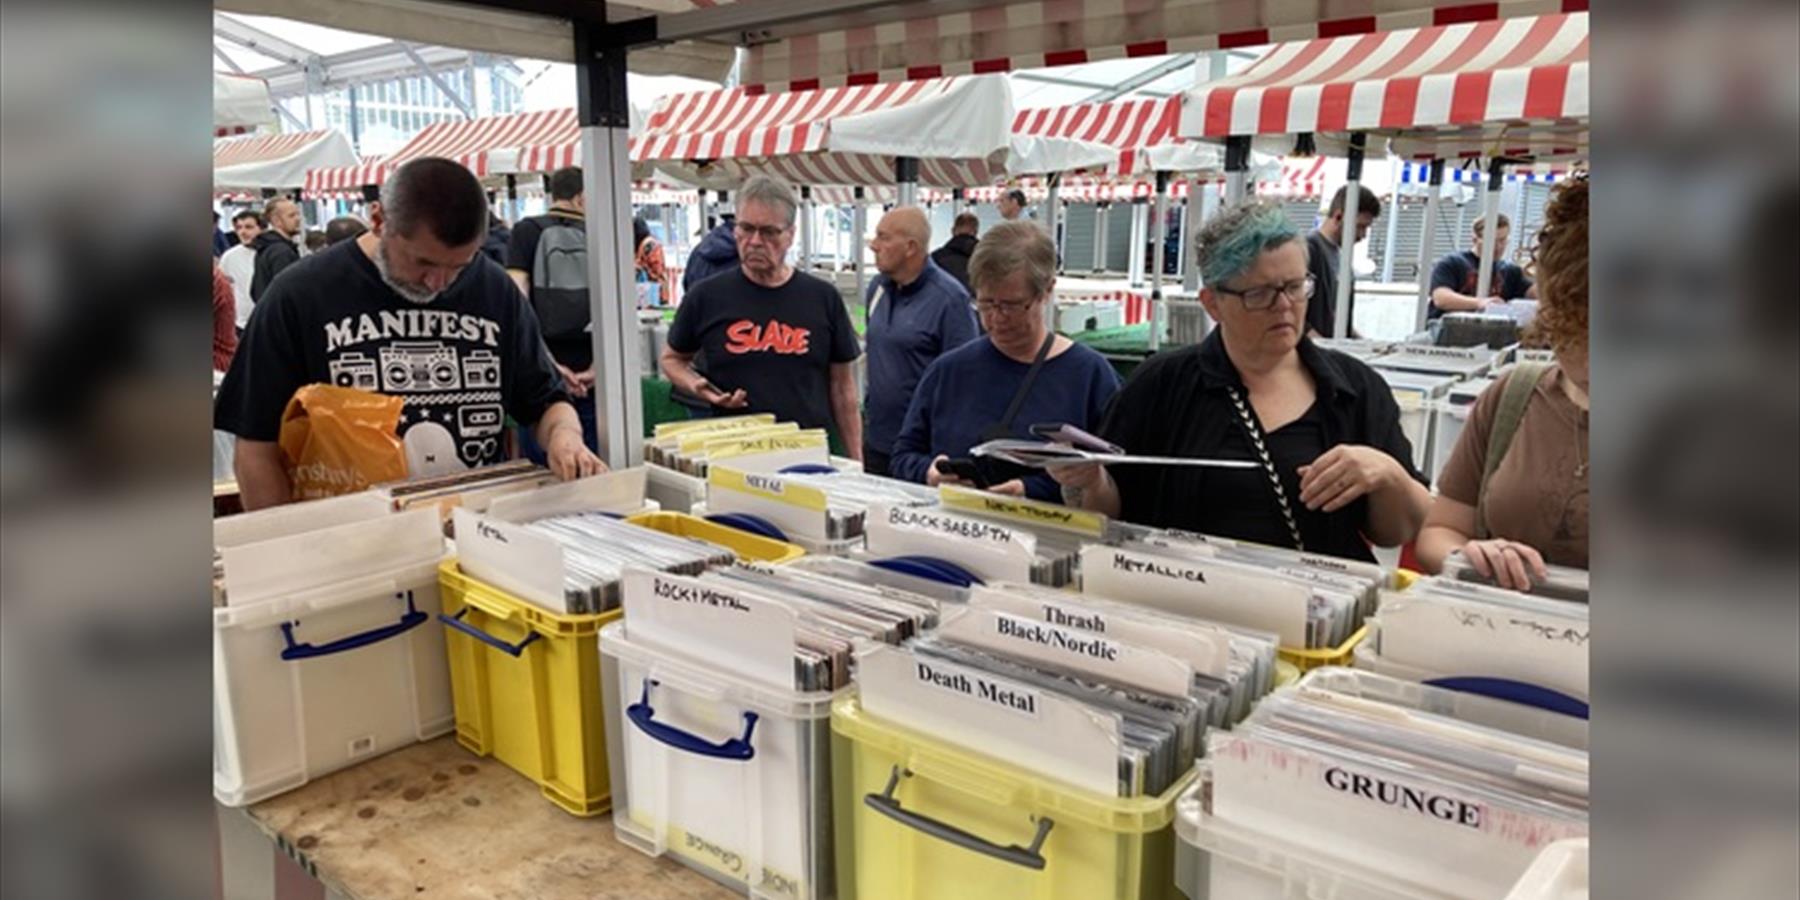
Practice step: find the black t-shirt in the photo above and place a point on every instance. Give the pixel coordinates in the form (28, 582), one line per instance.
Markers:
(777, 344)
(463, 362)
(1176, 404)
(521, 253)
(1460, 271)
(1322, 265)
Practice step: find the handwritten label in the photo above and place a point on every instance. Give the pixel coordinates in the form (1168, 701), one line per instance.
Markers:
(767, 487)
(690, 445)
(1122, 562)
(1469, 618)
(699, 595)
(487, 530)
(671, 429)
(1018, 700)
(955, 526)
(731, 448)
(1025, 511)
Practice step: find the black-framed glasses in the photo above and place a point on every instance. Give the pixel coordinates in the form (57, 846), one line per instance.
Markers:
(1263, 297)
(1003, 307)
(769, 233)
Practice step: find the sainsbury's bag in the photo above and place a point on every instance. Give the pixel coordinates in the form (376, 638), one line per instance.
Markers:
(337, 440)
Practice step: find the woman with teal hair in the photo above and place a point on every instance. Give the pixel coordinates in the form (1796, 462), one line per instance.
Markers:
(1333, 472)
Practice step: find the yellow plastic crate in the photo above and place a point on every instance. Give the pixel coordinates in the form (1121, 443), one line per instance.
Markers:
(980, 829)
(527, 691)
(751, 547)
(1341, 655)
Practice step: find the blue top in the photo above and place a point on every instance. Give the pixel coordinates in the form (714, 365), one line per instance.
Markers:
(909, 327)
(965, 394)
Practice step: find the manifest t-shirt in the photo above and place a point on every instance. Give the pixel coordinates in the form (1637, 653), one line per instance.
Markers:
(463, 362)
(777, 344)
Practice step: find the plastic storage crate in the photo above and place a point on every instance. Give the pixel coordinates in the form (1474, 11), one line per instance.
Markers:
(920, 819)
(1341, 655)
(334, 673)
(1560, 873)
(730, 778)
(750, 547)
(527, 687)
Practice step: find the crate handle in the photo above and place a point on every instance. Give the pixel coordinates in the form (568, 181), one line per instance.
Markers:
(888, 805)
(295, 650)
(644, 717)
(1516, 692)
(456, 622)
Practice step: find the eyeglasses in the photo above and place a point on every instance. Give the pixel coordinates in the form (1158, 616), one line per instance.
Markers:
(1004, 307)
(769, 233)
(1259, 298)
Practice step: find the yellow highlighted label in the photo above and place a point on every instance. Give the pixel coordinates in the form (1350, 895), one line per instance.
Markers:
(768, 487)
(696, 443)
(1022, 510)
(721, 859)
(732, 447)
(670, 429)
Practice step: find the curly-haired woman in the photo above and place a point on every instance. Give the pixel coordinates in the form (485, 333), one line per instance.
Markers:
(1514, 494)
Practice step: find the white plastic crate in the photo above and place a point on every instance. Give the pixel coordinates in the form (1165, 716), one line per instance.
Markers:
(731, 778)
(327, 653)
(1560, 873)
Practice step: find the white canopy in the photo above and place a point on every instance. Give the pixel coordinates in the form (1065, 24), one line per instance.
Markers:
(240, 104)
(277, 160)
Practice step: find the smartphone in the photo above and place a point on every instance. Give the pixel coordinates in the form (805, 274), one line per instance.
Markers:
(1064, 433)
(964, 468)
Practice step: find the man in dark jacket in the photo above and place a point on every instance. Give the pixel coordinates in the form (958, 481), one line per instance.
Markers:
(716, 253)
(276, 248)
(953, 257)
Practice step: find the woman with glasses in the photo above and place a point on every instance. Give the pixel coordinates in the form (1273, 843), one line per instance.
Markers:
(1333, 472)
(999, 385)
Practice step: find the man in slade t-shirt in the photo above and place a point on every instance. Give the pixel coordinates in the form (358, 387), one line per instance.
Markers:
(776, 340)
(411, 310)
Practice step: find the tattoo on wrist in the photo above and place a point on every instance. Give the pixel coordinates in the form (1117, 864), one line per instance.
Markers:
(1072, 496)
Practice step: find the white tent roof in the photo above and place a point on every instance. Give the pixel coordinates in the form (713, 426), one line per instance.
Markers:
(240, 104)
(277, 160)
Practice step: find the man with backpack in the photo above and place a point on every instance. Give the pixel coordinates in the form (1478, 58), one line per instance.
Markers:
(547, 259)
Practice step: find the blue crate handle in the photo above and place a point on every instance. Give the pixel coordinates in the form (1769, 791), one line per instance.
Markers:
(1516, 692)
(295, 650)
(644, 717)
(746, 522)
(808, 469)
(929, 568)
(887, 804)
(456, 621)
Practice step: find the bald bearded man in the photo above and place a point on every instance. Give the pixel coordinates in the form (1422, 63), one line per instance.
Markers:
(917, 312)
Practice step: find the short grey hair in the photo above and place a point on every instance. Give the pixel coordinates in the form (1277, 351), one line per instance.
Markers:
(1011, 248)
(769, 190)
(439, 195)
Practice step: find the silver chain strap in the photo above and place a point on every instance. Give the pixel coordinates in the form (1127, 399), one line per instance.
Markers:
(1262, 451)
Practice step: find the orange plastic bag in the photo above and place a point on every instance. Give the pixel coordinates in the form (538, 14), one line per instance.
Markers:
(338, 440)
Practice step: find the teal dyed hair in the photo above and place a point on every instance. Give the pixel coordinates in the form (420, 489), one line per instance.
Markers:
(1229, 244)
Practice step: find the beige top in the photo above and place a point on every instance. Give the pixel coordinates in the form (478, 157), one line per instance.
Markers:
(1539, 495)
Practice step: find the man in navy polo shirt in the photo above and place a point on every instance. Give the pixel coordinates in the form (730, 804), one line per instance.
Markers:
(917, 312)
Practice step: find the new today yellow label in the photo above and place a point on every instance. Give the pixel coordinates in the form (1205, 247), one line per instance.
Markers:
(733, 447)
(696, 443)
(1022, 510)
(773, 488)
(670, 429)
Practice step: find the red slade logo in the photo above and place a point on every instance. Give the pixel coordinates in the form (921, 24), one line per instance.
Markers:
(745, 336)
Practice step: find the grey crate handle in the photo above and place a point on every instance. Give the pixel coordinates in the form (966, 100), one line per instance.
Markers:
(888, 805)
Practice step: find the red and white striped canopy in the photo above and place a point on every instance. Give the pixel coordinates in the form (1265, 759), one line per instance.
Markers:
(1129, 126)
(277, 160)
(1514, 87)
(955, 127)
(347, 180)
(1029, 34)
(493, 145)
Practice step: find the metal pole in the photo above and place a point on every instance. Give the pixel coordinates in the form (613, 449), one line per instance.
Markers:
(604, 112)
(1393, 221)
(806, 228)
(1134, 261)
(1426, 242)
(1237, 169)
(512, 198)
(906, 172)
(1053, 215)
(1347, 236)
(706, 214)
(1100, 245)
(1193, 215)
(1490, 215)
(859, 220)
(1159, 233)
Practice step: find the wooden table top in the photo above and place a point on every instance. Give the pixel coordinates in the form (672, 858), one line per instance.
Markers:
(434, 820)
